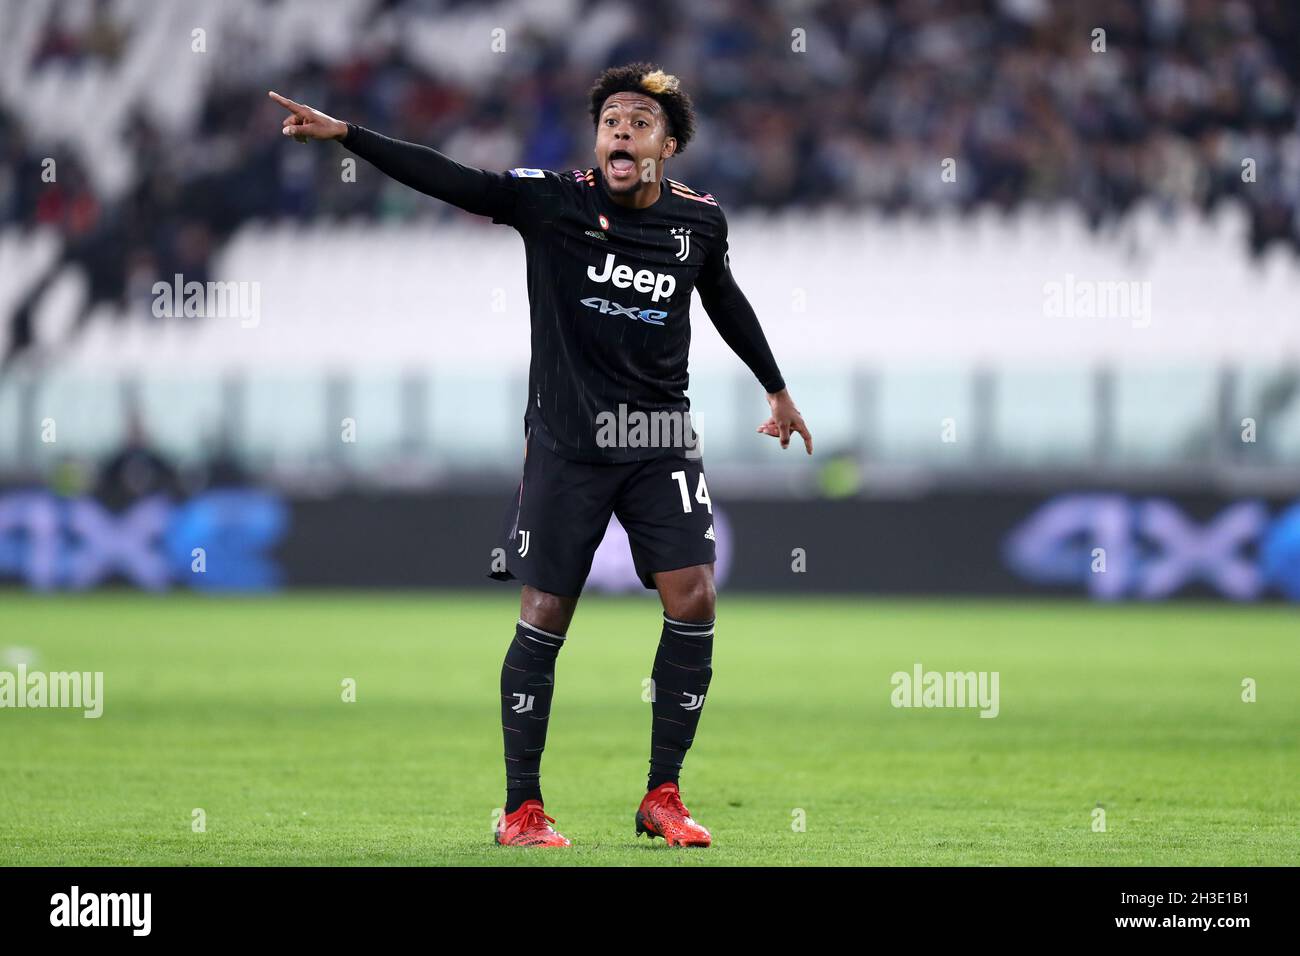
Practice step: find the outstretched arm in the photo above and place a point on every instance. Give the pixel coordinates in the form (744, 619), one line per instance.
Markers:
(736, 322)
(422, 168)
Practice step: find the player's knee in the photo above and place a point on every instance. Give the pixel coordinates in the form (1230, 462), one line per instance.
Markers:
(550, 612)
(694, 601)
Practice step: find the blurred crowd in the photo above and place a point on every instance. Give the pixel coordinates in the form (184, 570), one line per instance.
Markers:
(846, 103)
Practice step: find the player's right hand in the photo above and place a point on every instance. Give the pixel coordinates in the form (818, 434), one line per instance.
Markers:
(304, 123)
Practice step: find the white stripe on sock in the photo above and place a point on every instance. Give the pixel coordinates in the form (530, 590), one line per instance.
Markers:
(709, 623)
(558, 637)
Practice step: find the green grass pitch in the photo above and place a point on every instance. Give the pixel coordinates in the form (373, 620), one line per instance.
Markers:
(234, 706)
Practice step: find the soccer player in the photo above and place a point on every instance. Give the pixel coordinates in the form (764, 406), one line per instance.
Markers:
(612, 254)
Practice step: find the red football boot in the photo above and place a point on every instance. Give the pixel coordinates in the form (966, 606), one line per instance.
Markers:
(528, 826)
(662, 814)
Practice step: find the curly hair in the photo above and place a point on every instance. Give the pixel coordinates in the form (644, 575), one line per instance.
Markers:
(663, 88)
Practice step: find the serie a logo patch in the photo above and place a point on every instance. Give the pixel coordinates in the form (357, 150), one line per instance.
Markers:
(527, 173)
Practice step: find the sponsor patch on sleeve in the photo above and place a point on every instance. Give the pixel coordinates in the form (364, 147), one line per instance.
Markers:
(528, 173)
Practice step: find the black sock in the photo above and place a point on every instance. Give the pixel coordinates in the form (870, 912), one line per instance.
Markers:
(527, 683)
(659, 779)
(682, 670)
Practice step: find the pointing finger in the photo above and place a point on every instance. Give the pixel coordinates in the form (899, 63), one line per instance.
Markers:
(287, 103)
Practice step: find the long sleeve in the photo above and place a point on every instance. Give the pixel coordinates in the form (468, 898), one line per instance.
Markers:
(735, 320)
(474, 190)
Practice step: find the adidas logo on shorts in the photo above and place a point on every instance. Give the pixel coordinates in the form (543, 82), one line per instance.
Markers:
(709, 534)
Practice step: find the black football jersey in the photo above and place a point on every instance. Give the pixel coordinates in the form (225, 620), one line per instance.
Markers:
(609, 291)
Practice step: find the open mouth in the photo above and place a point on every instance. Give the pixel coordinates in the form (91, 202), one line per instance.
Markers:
(622, 163)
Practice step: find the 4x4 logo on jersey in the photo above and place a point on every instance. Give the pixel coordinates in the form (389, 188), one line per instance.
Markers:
(683, 236)
(659, 284)
(652, 316)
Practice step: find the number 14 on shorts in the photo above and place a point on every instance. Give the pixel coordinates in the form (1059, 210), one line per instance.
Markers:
(701, 492)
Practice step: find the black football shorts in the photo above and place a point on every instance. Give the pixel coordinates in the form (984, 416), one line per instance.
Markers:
(558, 516)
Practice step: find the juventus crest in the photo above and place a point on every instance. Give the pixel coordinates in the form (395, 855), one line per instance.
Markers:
(683, 236)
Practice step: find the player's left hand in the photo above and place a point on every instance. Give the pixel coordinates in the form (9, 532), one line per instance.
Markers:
(785, 420)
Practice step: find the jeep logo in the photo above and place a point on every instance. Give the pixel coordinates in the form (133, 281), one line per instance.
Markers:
(644, 280)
